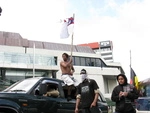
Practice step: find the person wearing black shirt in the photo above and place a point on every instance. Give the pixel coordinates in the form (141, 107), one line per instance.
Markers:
(124, 95)
(87, 94)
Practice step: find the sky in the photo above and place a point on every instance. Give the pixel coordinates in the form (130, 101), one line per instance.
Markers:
(124, 22)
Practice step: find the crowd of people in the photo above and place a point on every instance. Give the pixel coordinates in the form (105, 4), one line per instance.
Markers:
(123, 94)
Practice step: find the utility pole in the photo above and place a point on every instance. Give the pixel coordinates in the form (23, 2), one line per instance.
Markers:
(33, 60)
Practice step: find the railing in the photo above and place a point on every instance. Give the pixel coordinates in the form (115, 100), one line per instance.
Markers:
(22, 58)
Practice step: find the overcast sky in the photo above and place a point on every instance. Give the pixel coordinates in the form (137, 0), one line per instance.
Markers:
(124, 22)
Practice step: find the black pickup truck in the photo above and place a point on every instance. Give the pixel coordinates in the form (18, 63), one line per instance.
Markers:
(29, 96)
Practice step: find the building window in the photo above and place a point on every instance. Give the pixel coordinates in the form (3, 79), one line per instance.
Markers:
(55, 60)
(87, 61)
(108, 58)
(93, 61)
(76, 61)
(82, 61)
(106, 54)
(19, 58)
(98, 63)
(105, 49)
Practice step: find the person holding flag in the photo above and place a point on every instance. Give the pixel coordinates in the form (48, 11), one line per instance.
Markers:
(66, 65)
(124, 95)
(67, 70)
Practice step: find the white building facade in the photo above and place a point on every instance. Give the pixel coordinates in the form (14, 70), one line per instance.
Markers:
(106, 50)
(21, 61)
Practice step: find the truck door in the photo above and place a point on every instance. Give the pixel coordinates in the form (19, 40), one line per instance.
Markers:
(54, 100)
(40, 102)
(56, 94)
(64, 105)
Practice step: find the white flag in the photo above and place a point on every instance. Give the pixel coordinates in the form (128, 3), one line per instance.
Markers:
(66, 28)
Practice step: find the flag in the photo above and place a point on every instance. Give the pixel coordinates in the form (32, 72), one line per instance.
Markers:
(65, 27)
(133, 79)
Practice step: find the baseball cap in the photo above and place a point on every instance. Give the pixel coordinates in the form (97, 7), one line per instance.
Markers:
(83, 71)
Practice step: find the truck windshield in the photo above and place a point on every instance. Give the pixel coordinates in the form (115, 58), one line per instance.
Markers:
(22, 86)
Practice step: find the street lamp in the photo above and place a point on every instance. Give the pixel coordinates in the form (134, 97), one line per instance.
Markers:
(0, 11)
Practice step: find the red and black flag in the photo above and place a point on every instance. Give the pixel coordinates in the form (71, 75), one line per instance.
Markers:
(133, 78)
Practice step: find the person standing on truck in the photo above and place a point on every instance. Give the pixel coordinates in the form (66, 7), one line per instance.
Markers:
(87, 94)
(67, 70)
(124, 95)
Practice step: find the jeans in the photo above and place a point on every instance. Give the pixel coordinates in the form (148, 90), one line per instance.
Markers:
(94, 109)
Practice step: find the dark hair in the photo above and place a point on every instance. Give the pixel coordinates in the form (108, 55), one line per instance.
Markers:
(83, 71)
(125, 78)
(66, 55)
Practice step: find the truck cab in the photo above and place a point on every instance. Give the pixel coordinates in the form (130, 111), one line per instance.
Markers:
(40, 95)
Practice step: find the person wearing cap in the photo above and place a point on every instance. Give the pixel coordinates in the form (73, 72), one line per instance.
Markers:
(67, 70)
(87, 94)
(124, 95)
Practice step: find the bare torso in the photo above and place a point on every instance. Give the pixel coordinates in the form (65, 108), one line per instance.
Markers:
(67, 69)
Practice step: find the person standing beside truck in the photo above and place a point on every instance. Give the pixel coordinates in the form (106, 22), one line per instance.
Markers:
(87, 94)
(124, 95)
(67, 70)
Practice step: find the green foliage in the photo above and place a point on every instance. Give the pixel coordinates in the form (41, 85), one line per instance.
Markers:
(110, 102)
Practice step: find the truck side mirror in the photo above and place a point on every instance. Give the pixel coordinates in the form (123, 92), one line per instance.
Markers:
(42, 89)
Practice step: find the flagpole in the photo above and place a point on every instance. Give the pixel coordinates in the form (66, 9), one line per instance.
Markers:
(131, 82)
(33, 60)
(133, 77)
(72, 38)
(130, 58)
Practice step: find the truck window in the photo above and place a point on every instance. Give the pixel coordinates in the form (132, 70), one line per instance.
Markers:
(73, 91)
(52, 90)
(22, 86)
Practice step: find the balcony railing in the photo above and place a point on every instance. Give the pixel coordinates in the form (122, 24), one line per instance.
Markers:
(22, 58)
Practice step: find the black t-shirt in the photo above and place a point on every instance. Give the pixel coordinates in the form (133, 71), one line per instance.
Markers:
(86, 90)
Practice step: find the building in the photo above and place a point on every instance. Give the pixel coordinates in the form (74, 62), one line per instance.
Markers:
(20, 60)
(104, 48)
